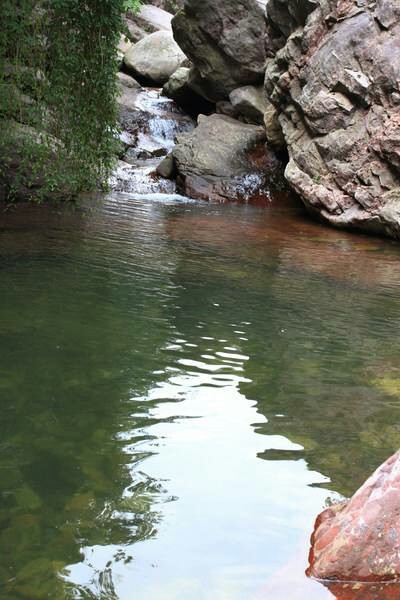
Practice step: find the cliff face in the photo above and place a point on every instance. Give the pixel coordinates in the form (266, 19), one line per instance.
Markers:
(332, 78)
(336, 85)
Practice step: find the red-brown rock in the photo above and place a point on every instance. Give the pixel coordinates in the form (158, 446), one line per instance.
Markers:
(365, 591)
(359, 540)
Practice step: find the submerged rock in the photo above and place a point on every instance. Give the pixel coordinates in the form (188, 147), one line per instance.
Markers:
(155, 58)
(225, 42)
(359, 540)
(336, 85)
(218, 160)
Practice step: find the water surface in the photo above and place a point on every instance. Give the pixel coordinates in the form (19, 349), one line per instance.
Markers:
(183, 388)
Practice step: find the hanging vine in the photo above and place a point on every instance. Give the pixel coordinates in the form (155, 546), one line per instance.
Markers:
(58, 119)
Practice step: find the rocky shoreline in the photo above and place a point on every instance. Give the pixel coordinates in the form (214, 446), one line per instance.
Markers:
(220, 98)
(321, 77)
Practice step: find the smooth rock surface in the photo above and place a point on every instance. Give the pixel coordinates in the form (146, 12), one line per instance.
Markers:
(336, 85)
(250, 103)
(154, 18)
(225, 41)
(359, 540)
(155, 58)
(218, 160)
(177, 88)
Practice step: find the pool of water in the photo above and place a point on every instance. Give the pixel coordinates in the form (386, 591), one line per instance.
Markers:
(183, 388)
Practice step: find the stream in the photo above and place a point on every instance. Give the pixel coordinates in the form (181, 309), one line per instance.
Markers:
(184, 387)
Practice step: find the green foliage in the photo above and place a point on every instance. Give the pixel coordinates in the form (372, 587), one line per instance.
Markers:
(132, 5)
(58, 119)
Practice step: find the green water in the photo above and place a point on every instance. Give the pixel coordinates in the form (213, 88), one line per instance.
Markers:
(183, 387)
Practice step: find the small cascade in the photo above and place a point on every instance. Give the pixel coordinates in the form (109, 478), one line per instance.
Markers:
(150, 123)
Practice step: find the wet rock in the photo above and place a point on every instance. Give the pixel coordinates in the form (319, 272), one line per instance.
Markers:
(135, 179)
(359, 540)
(218, 161)
(149, 123)
(147, 111)
(155, 58)
(335, 85)
(167, 168)
(177, 88)
(250, 103)
(225, 42)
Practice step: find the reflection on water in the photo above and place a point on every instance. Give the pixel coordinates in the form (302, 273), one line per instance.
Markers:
(183, 387)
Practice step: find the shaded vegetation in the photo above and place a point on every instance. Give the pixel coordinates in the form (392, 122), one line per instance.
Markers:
(58, 119)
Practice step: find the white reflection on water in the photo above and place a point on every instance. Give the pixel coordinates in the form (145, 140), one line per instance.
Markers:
(230, 547)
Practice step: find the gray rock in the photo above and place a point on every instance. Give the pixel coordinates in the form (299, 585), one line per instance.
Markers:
(128, 89)
(273, 128)
(167, 168)
(216, 161)
(223, 107)
(126, 81)
(177, 88)
(250, 102)
(133, 31)
(155, 58)
(225, 42)
(286, 15)
(177, 84)
(123, 46)
(154, 18)
(335, 85)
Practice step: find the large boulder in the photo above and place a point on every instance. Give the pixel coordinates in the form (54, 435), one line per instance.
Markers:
(359, 540)
(155, 58)
(336, 86)
(225, 41)
(224, 159)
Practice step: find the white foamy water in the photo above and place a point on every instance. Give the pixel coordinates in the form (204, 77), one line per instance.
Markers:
(140, 180)
(152, 131)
